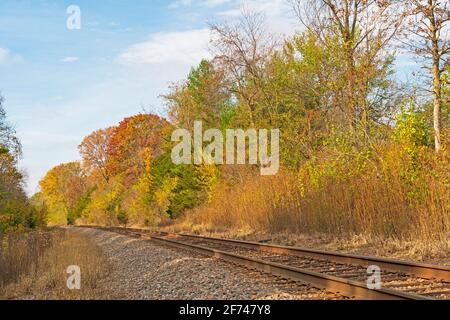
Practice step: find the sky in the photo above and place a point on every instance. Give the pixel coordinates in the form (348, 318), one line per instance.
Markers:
(61, 84)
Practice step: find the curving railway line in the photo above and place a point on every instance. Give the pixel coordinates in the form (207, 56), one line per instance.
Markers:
(343, 274)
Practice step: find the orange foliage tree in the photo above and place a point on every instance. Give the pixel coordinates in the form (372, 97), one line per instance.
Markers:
(129, 142)
(94, 151)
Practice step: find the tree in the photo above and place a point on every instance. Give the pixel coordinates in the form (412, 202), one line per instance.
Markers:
(204, 96)
(15, 209)
(428, 37)
(299, 91)
(9, 143)
(363, 29)
(241, 51)
(64, 192)
(94, 151)
(129, 142)
(11, 179)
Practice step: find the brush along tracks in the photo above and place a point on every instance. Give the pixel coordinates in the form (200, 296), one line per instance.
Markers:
(335, 272)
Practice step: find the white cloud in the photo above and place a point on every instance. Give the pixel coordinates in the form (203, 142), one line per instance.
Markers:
(279, 15)
(180, 3)
(207, 3)
(6, 57)
(70, 59)
(187, 47)
(214, 3)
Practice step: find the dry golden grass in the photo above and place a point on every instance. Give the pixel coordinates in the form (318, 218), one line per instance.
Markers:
(18, 251)
(34, 266)
(385, 204)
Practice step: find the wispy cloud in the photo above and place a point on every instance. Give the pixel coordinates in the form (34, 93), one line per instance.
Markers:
(70, 59)
(7, 57)
(200, 3)
(214, 3)
(279, 14)
(180, 3)
(187, 47)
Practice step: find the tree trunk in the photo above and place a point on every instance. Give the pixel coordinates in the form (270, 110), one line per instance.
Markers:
(437, 81)
(437, 105)
(350, 99)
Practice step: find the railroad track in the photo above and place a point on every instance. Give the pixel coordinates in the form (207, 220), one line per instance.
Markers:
(335, 272)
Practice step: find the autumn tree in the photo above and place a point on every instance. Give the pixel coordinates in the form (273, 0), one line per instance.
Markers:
(11, 179)
(63, 189)
(241, 51)
(428, 37)
(94, 152)
(15, 209)
(130, 140)
(204, 96)
(363, 30)
(9, 143)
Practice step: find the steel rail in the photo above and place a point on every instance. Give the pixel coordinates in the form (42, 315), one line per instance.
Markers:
(427, 271)
(331, 283)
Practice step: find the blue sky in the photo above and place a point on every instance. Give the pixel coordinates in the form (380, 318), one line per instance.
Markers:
(62, 84)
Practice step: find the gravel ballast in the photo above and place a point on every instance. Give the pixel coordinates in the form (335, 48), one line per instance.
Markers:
(142, 270)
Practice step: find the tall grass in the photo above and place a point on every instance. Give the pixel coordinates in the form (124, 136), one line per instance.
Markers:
(393, 197)
(33, 265)
(17, 253)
